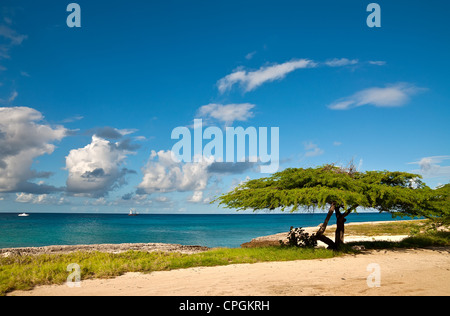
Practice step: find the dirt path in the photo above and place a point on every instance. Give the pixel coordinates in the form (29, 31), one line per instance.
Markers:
(402, 272)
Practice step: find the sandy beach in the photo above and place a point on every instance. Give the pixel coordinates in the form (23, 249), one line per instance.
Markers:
(403, 272)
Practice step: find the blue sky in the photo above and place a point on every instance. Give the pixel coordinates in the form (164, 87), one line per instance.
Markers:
(87, 113)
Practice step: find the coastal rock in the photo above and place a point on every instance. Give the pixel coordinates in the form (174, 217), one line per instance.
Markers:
(6, 254)
(109, 248)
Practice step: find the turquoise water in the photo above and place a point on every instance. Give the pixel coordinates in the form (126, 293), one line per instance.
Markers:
(205, 230)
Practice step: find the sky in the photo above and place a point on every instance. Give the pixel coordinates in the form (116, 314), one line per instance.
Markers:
(87, 113)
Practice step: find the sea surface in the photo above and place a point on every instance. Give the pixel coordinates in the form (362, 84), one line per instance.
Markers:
(205, 230)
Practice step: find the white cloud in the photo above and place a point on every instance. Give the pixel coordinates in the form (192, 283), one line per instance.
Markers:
(73, 119)
(24, 197)
(431, 167)
(111, 132)
(312, 150)
(22, 139)
(341, 62)
(35, 198)
(360, 165)
(162, 199)
(249, 56)
(12, 38)
(197, 197)
(164, 174)
(390, 96)
(250, 80)
(13, 96)
(377, 62)
(227, 113)
(99, 201)
(96, 169)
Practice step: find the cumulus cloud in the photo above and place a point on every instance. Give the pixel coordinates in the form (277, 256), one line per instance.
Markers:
(46, 199)
(97, 168)
(227, 113)
(197, 197)
(390, 96)
(164, 174)
(431, 167)
(22, 139)
(250, 80)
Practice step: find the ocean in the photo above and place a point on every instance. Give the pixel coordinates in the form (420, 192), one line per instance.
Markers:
(39, 230)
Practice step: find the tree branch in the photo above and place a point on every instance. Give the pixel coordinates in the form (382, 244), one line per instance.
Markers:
(324, 225)
(350, 210)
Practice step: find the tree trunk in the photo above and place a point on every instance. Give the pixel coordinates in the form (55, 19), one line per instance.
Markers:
(340, 226)
(340, 229)
(320, 233)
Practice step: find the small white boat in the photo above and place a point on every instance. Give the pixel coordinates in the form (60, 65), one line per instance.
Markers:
(24, 215)
(132, 212)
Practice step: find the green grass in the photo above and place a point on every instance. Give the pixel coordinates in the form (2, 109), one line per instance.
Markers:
(377, 229)
(423, 240)
(25, 272)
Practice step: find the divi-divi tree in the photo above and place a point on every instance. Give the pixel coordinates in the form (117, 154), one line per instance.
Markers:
(338, 190)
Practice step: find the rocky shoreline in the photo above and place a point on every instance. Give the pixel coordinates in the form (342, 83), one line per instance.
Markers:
(109, 248)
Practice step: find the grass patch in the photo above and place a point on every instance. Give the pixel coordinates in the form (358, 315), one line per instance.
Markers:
(430, 239)
(25, 272)
(377, 229)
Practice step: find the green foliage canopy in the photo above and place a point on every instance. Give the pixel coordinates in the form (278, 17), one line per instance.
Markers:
(441, 211)
(319, 188)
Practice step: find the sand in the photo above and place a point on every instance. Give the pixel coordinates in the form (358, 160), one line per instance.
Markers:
(402, 272)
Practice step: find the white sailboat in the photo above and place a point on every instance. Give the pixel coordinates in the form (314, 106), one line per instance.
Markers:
(132, 212)
(24, 215)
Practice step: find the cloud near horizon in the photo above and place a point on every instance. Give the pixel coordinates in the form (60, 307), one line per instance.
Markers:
(430, 167)
(164, 174)
(393, 95)
(96, 169)
(22, 139)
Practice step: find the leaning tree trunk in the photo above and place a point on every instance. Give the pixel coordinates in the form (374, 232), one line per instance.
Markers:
(340, 227)
(320, 233)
